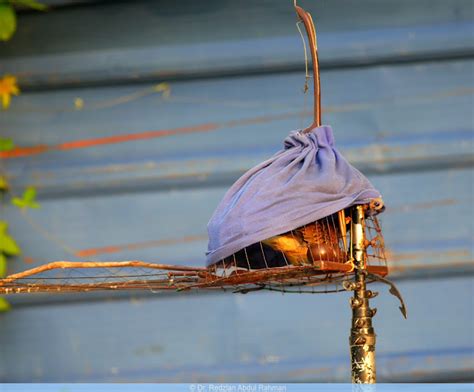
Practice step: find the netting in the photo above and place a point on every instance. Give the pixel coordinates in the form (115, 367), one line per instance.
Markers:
(313, 258)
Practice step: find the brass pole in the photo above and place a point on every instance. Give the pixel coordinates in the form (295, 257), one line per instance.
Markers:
(362, 338)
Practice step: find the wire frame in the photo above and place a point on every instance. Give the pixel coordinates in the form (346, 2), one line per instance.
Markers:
(312, 258)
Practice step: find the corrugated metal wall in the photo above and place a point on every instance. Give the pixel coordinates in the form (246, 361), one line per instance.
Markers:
(134, 174)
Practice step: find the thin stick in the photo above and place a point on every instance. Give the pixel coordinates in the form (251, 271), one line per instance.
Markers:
(94, 264)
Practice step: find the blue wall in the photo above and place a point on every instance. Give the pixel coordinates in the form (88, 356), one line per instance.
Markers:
(397, 80)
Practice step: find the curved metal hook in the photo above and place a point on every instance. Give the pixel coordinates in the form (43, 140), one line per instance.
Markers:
(307, 20)
(393, 290)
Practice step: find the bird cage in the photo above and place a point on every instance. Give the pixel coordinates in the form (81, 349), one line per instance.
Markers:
(315, 254)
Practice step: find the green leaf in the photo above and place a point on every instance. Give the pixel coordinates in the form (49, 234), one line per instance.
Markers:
(7, 21)
(8, 245)
(3, 265)
(28, 200)
(36, 5)
(30, 194)
(4, 186)
(4, 305)
(6, 144)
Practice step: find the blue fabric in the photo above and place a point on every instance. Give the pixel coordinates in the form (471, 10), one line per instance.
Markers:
(306, 181)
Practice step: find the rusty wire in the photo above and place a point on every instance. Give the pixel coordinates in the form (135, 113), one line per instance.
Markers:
(302, 260)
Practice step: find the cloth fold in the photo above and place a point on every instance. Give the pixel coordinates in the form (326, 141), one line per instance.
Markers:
(306, 181)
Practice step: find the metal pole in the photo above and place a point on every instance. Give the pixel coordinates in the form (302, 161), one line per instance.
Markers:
(362, 338)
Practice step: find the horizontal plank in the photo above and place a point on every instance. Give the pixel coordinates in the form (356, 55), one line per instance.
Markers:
(233, 338)
(207, 133)
(53, 5)
(159, 41)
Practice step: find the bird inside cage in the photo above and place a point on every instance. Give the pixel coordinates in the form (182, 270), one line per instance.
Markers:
(324, 239)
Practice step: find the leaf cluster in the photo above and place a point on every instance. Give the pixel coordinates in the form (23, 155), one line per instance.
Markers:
(8, 15)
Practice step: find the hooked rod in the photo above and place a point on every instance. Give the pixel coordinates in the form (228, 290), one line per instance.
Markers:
(312, 41)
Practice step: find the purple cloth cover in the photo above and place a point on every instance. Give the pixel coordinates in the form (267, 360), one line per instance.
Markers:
(306, 181)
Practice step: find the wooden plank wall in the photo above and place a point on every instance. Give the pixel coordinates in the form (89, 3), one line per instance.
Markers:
(136, 174)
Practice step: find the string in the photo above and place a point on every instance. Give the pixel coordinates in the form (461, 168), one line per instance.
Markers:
(307, 76)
